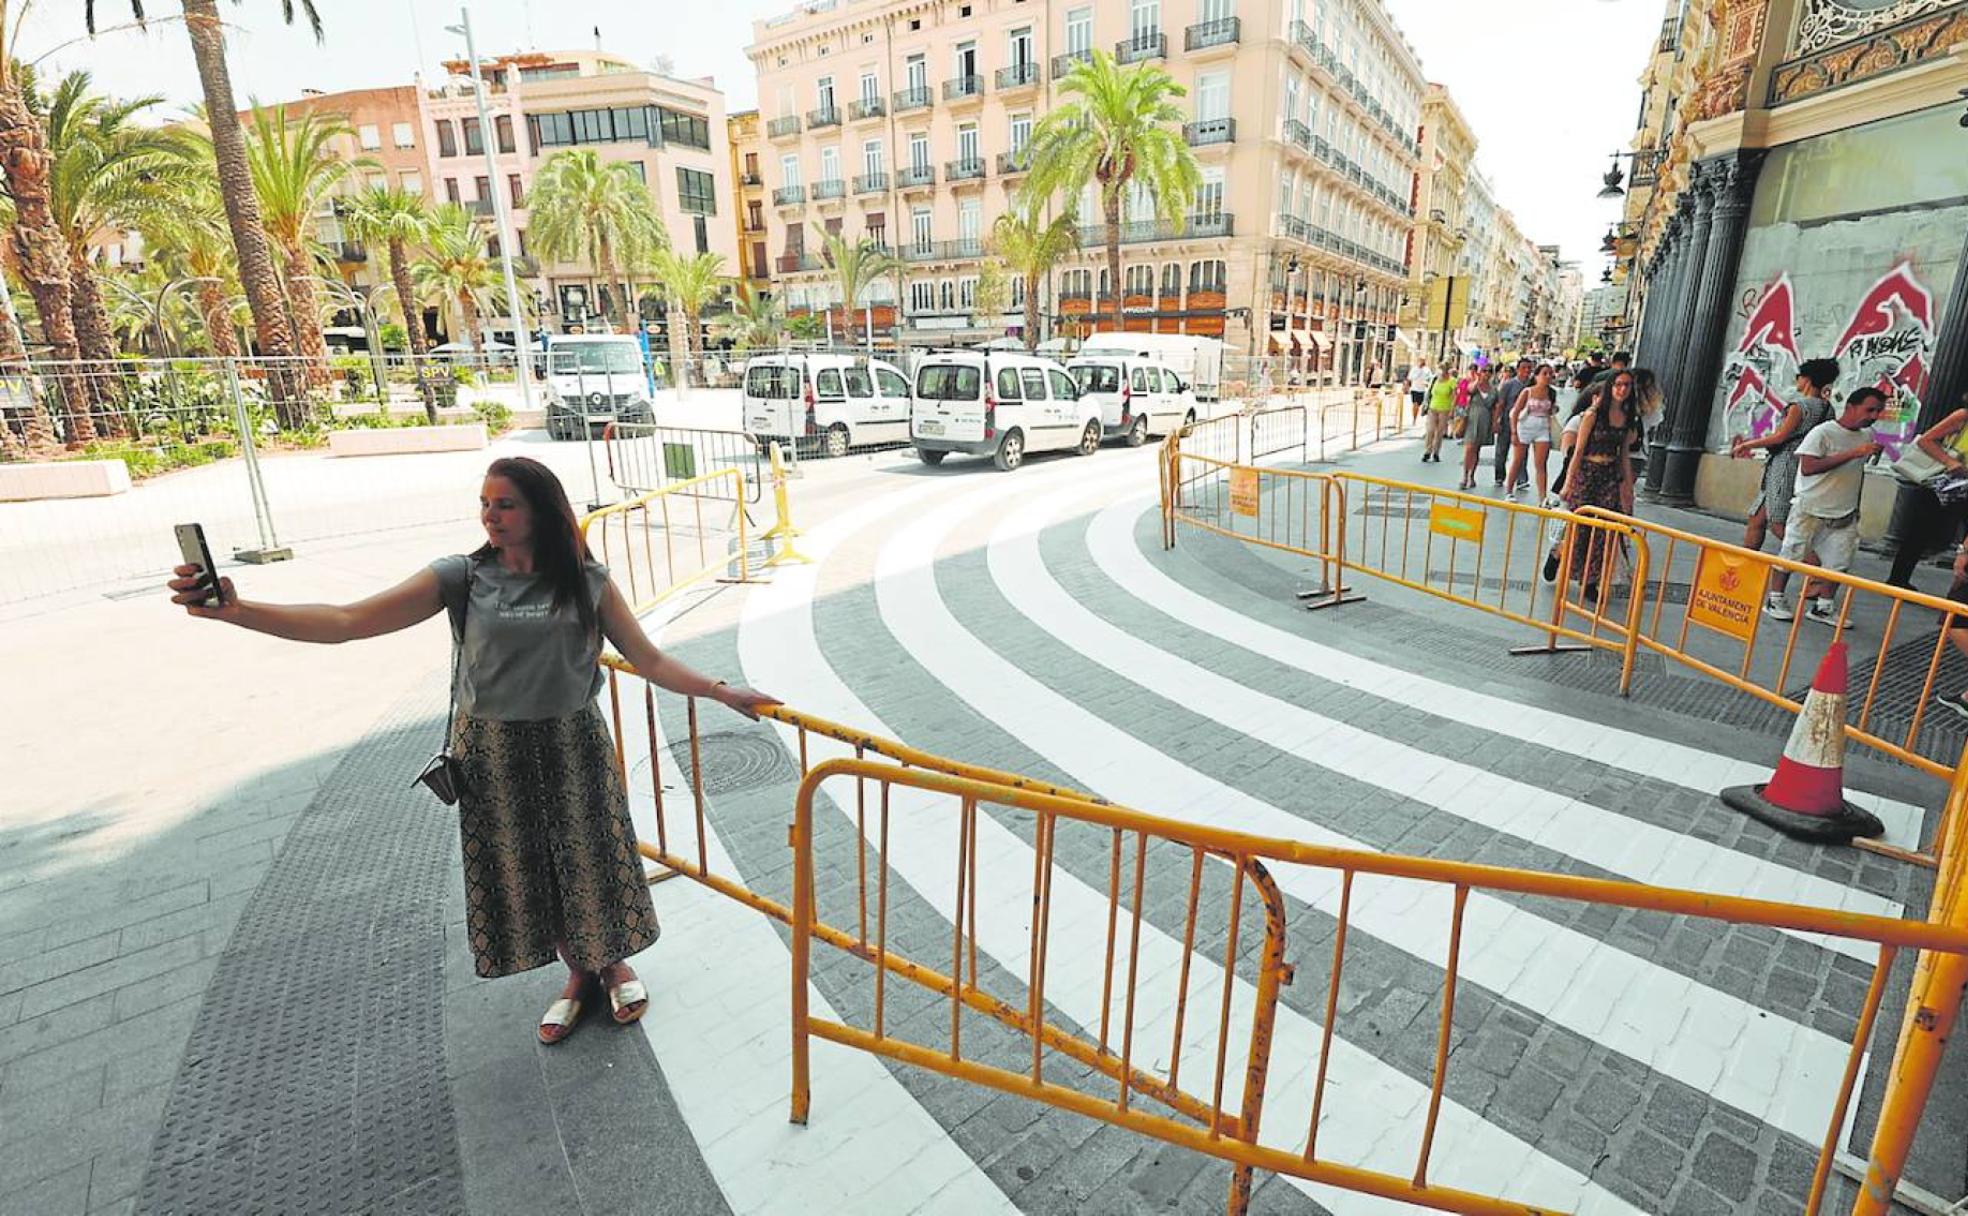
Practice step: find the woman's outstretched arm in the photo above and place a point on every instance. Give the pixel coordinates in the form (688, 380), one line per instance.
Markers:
(413, 600)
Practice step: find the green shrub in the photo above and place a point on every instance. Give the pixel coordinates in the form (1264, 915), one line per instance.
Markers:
(150, 461)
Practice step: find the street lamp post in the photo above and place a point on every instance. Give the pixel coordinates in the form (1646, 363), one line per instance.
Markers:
(503, 219)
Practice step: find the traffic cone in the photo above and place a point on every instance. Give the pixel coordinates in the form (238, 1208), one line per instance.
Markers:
(1805, 797)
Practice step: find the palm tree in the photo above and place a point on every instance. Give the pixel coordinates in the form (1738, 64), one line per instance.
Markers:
(458, 270)
(1030, 249)
(295, 170)
(689, 283)
(584, 209)
(256, 273)
(756, 322)
(191, 239)
(1117, 128)
(40, 253)
(857, 265)
(397, 219)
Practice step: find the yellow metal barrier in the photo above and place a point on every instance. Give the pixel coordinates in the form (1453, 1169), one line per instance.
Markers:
(1233, 1135)
(652, 513)
(782, 529)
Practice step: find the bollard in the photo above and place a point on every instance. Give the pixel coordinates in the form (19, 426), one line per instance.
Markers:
(782, 529)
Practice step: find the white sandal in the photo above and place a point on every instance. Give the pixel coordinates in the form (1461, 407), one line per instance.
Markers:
(630, 995)
(560, 1019)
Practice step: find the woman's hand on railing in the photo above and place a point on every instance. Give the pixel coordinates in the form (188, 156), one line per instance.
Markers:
(744, 700)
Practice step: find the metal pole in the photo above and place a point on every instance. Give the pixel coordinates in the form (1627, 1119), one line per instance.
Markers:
(520, 344)
(270, 549)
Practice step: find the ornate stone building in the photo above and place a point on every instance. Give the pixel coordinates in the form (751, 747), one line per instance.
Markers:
(1809, 197)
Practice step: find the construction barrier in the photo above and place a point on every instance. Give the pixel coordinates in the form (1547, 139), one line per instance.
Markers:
(625, 537)
(643, 457)
(782, 533)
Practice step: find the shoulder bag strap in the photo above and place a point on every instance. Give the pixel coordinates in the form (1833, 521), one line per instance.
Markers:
(458, 655)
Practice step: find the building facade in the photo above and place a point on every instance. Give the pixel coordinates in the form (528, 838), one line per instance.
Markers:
(1440, 284)
(907, 122)
(748, 205)
(1810, 202)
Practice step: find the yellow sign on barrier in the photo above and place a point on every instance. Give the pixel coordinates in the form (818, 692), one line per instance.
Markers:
(1728, 593)
(1456, 523)
(1243, 491)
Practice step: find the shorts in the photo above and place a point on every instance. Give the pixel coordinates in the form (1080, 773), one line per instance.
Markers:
(1416, 396)
(1534, 428)
(1834, 540)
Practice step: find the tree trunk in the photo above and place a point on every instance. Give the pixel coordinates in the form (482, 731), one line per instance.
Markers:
(468, 311)
(413, 326)
(96, 339)
(1112, 207)
(613, 312)
(679, 347)
(304, 310)
(218, 320)
(1031, 311)
(41, 253)
(270, 322)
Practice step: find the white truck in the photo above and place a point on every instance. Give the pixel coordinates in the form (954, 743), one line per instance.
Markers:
(1198, 360)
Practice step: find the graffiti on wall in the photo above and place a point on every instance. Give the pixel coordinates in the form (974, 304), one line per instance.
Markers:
(1887, 340)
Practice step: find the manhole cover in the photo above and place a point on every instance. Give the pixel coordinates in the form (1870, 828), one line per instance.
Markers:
(736, 760)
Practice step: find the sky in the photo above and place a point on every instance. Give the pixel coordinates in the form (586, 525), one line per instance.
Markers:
(1550, 87)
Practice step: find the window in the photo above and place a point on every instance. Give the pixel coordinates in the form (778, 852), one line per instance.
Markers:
(1097, 378)
(916, 71)
(1076, 283)
(949, 382)
(772, 382)
(1138, 379)
(451, 190)
(690, 130)
(412, 182)
(1144, 19)
(824, 93)
(696, 192)
(1171, 283)
(1008, 387)
(878, 231)
(871, 158)
(474, 138)
(403, 135)
(1206, 276)
(502, 130)
(946, 296)
(892, 384)
(1141, 280)
(967, 293)
(789, 170)
(922, 296)
(515, 192)
(447, 140)
(1209, 196)
(870, 89)
(966, 64)
(918, 151)
(1062, 385)
(1017, 292)
(1021, 133)
(1212, 96)
(967, 142)
(370, 136)
(970, 220)
(1034, 383)
(1079, 30)
(484, 187)
(830, 164)
(919, 226)
(1020, 50)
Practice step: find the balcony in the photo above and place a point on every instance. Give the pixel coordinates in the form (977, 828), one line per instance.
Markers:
(754, 223)
(963, 88)
(871, 183)
(750, 179)
(1670, 39)
(836, 188)
(1062, 64)
(1018, 76)
(1206, 131)
(484, 208)
(1206, 34)
(793, 263)
(1646, 167)
(914, 99)
(779, 128)
(1214, 224)
(825, 116)
(1010, 164)
(350, 251)
(1298, 133)
(943, 251)
(914, 176)
(866, 108)
(1140, 46)
(963, 169)
(789, 196)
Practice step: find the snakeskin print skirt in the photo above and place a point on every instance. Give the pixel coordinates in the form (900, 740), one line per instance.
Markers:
(549, 848)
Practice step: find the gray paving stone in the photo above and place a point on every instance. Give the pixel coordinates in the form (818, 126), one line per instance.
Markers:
(53, 1028)
(1652, 1164)
(1726, 1166)
(63, 1194)
(160, 1029)
(44, 965)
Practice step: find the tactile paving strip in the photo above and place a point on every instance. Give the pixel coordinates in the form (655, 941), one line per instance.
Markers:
(314, 1078)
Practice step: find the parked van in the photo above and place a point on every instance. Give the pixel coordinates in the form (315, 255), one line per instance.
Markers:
(826, 402)
(998, 404)
(1137, 396)
(593, 380)
(1198, 360)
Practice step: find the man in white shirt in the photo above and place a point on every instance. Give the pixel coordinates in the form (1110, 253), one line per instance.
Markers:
(1824, 514)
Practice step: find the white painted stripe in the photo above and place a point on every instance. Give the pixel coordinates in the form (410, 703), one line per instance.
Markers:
(1374, 1116)
(718, 1022)
(1112, 540)
(1611, 841)
(1773, 1069)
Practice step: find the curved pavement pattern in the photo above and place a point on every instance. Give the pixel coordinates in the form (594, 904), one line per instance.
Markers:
(1604, 1063)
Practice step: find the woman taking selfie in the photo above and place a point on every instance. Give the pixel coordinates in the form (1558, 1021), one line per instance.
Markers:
(551, 867)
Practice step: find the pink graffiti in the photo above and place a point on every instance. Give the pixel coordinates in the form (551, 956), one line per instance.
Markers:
(1765, 407)
(1874, 315)
(1770, 331)
(1887, 341)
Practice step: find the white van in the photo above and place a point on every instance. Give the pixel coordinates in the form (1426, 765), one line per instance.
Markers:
(828, 402)
(1198, 360)
(593, 380)
(998, 404)
(1137, 396)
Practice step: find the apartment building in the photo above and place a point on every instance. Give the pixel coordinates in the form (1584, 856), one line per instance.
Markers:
(908, 121)
(1441, 231)
(748, 206)
(673, 131)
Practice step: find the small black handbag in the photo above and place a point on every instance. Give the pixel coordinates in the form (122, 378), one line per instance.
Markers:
(444, 776)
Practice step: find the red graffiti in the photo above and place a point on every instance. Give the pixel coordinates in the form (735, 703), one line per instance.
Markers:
(1874, 315)
(1773, 322)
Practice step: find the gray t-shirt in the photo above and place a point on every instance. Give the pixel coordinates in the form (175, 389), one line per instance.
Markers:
(523, 659)
(1835, 494)
(1509, 391)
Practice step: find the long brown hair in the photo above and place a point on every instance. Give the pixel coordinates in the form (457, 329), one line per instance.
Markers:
(558, 550)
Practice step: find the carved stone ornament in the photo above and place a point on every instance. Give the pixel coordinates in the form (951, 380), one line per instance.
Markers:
(1824, 23)
(1884, 50)
(1739, 32)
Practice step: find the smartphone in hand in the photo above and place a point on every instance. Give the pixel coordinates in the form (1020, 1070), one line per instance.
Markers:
(194, 550)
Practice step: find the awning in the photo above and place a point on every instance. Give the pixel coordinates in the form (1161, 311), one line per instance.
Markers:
(1277, 344)
(1301, 339)
(1324, 342)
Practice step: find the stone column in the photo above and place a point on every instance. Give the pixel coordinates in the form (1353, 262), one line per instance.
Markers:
(1660, 283)
(1947, 378)
(1672, 356)
(1733, 184)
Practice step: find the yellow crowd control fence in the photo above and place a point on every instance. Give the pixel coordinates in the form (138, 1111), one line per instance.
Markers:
(1132, 965)
(661, 542)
